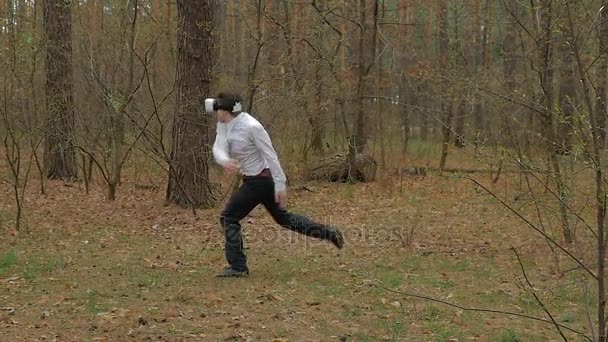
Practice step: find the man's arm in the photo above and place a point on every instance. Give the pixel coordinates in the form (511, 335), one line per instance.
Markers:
(262, 141)
(220, 146)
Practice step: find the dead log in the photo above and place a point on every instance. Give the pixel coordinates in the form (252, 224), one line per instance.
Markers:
(337, 168)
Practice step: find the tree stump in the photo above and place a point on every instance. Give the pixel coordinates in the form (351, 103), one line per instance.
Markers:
(338, 168)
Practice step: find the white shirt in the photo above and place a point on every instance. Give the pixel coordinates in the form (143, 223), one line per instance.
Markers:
(244, 138)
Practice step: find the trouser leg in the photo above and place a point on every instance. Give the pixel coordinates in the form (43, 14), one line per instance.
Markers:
(240, 205)
(295, 222)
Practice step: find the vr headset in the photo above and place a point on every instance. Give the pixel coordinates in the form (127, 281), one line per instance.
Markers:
(213, 105)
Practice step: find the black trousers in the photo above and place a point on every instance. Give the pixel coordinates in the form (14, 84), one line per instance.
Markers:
(253, 191)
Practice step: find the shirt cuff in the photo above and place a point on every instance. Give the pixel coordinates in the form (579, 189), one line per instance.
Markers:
(222, 161)
(279, 186)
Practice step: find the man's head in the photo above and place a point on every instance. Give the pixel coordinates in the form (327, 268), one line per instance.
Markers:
(229, 105)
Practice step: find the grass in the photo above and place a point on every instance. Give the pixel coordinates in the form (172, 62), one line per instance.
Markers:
(424, 149)
(327, 287)
(31, 265)
(147, 279)
(430, 312)
(42, 265)
(396, 330)
(7, 218)
(445, 333)
(507, 336)
(92, 304)
(349, 191)
(7, 260)
(388, 276)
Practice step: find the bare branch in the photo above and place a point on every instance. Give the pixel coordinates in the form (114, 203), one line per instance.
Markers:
(533, 226)
(523, 271)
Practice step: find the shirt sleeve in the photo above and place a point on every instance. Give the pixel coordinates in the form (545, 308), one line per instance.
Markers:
(262, 141)
(220, 146)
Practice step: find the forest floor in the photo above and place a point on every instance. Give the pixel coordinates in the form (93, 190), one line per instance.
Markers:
(85, 269)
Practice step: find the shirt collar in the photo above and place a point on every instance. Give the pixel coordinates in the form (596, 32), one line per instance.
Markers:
(234, 120)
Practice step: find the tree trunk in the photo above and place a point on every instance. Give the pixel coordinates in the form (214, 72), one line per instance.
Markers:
(443, 65)
(270, 52)
(477, 64)
(406, 95)
(428, 33)
(59, 151)
(509, 47)
(156, 62)
(156, 10)
(189, 170)
(424, 91)
(405, 98)
(602, 90)
(460, 119)
(600, 186)
(545, 44)
(315, 116)
(117, 117)
(94, 20)
(459, 126)
(168, 16)
(509, 51)
(246, 31)
(234, 29)
(367, 54)
(567, 98)
(487, 34)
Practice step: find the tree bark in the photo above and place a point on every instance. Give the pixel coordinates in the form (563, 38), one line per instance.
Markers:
(443, 64)
(189, 170)
(315, 117)
(567, 97)
(117, 116)
(477, 61)
(460, 119)
(314, 108)
(509, 53)
(156, 10)
(156, 62)
(510, 47)
(94, 20)
(487, 34)
(406, 90)
(367, 54)
(602, 90)
(59, 151)
(546, 57)
(459, 125)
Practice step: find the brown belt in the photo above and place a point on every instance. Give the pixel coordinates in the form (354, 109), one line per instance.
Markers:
(265, 173)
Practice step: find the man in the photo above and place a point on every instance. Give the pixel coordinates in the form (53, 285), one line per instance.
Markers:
(243, 145)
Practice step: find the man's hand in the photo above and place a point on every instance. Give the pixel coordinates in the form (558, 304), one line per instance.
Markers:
(281, 199)
(232, 166)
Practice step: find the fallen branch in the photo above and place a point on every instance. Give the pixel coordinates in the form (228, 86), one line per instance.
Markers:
(338, 168)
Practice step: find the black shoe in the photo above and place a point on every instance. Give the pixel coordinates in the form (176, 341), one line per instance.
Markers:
(336, 238)
(229, 272)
